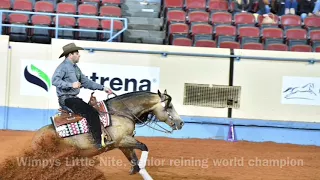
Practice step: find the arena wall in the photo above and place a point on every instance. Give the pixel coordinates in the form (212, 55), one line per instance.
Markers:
(264, 113)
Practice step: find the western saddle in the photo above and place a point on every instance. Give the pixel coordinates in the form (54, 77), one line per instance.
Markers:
(66, 117)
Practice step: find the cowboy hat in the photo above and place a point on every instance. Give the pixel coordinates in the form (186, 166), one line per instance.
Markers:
(71, 47)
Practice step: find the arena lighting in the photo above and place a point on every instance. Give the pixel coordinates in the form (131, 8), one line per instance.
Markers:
(237, 57)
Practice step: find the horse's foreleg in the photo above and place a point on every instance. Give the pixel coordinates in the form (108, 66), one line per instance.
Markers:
(130, 142)
(132, 157)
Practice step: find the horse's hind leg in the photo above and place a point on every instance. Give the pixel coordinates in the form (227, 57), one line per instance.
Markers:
(132, 157)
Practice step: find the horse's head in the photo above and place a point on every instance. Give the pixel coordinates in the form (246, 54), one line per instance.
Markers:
(165, 112)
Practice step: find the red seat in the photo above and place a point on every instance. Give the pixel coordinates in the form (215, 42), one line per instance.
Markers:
(19, 34)
(198, 16)
(296, 36)
(289, 21)
(66, 8)
(254, 46)
(201, 31)
(277, 47)
(272, 36)
(178, 30)
(66, 22)
(41, 35)
(218, 5)
(110, 2)
(87, 9)
(88, 23)
(315, 38)
(22, 5)
(249, 35)
(173, 3)
(182, 42)
(44, 6)
(301, 48)
(5, 4)
(176, 16)
(225, 33)
(221, 18)
(106, 25)
(195, 4)
(113, 11)
(244, 19)
(230, 45)
(317, 49)
(312, 22)
(205, 43)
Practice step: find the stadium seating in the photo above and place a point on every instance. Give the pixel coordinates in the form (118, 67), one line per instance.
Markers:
(200, 23)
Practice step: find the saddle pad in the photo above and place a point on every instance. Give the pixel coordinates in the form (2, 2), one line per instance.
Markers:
(81, 126)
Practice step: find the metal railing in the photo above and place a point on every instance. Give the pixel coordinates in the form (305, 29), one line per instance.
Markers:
(57, 28)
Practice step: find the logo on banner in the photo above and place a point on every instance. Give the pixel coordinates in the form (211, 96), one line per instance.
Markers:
(35, 79)
(36, 76)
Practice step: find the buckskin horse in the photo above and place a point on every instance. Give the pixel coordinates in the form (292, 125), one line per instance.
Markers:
(118, 116)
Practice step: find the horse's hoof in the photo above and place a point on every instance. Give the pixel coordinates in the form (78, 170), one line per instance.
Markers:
(134, 169)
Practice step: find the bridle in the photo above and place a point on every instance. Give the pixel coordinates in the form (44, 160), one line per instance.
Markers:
(164, 104)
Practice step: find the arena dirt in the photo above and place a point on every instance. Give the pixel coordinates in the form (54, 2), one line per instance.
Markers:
(168, 159)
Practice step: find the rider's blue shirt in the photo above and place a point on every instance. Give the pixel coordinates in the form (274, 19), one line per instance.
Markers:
(66, 74)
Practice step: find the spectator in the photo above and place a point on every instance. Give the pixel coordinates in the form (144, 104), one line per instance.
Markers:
(316, 10)
(264, 7)
(305, 8)
(242, 6)
(291, 6)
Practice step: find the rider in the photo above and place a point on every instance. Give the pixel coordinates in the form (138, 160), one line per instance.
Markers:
(68, 80)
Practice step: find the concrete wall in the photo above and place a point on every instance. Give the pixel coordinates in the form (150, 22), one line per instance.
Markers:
(264, 113)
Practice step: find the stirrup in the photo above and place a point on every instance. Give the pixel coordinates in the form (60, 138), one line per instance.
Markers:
(103, 143)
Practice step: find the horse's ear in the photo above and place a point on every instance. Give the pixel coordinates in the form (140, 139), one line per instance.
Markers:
(159, 93)
(165, 91)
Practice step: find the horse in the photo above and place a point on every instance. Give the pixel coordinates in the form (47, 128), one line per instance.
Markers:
(124, 112)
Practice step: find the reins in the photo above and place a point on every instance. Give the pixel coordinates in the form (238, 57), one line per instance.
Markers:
(144, 123)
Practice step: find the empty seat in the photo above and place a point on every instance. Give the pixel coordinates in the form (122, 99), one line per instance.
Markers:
(44, 6)
(66, 8)
(201, 31)
(230, 45)
(106, 25)
(5, 4)
(296, 36)
(221, 18)
(22, 5)
(312, 23)
(18, 34)
(205, 43)
(217, 5)
(182, 42)
(191, 5)
(198, 16)
(290, 21)
(90, 24)
(244, 19)
(177, 30)
(317, 49)
(176, 16)
(277, 47)
(249, 35)
(254, 46)
(66, 22)
(112, 11)
(41, 35)
(272, 36)
(173, 4)
(315, 38)
(225, 33)
(111, 2)
(87, 9)
(301, 48)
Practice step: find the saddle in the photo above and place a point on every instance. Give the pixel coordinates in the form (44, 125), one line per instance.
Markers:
(68, 123)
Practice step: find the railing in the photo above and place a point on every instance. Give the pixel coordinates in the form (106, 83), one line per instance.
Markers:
(57, 28)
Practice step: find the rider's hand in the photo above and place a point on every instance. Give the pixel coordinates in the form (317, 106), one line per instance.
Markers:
(107, 90)
(76, 85)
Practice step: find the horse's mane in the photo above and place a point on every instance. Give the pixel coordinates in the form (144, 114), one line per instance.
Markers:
(145, 118)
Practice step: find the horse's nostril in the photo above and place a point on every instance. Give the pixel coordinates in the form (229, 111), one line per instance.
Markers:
(182, 123)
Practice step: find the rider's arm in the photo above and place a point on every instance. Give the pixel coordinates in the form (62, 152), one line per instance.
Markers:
(57, 79)
(89, 84)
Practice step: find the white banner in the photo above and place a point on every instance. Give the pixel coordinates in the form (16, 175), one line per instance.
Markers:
(35, 79)
(300, 90)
